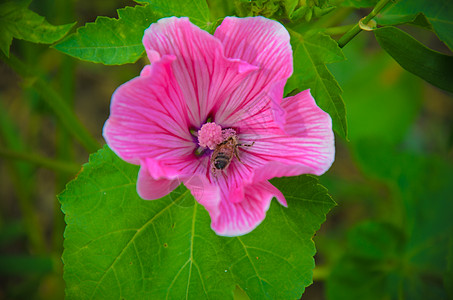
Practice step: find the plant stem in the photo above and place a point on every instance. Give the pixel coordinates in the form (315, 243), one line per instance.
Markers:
(356, 29)
(60, 108)
(41, 161)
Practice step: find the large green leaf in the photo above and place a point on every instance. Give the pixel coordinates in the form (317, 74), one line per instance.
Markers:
(17, 21)
(437, 12)
(196, 10)
(311, 53)
(120, 246)
(432, 66)
(111, 41)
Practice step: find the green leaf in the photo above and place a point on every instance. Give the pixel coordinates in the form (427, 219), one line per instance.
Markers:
(17, 21)
(111, 41)
(437, 12)
(289, 6)
(120, 246)
(432, 66)
(311, 53)
(196, 10)
(219, 9)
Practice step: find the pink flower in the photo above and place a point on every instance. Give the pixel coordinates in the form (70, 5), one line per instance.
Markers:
(209, 112)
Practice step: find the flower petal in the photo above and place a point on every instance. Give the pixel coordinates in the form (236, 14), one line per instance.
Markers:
(205, 76)
(306, 145)
(148, 117)
(239, 218)
(206, 193)
(260, 42)
(150, 188)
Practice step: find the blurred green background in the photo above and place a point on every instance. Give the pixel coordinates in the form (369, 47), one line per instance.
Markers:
(391, 233)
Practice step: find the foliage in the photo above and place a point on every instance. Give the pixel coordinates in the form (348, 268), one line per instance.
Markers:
(196, 10)
(430, 65)
(16, 21)
(311, 54)
(111, 41)
(438, 14)
(389, 237)
(118, 244)
(288, 10)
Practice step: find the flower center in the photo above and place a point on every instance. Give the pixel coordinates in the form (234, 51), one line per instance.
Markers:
(210, 135)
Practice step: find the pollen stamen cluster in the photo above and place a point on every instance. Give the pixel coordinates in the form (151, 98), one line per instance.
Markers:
(210, 135)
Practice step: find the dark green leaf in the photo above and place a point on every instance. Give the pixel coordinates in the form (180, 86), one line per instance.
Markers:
(196, 10)
(17, 21)
(111, 41)
(432, 66)
(120, 246)
(437, 12)
(311, 54)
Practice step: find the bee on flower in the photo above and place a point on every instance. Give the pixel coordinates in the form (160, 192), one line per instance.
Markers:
(208, 112)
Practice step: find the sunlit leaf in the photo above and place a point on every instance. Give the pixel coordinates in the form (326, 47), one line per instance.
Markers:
(437, 12)
(196, 10)
(120, 246)
(432, 66)
(111, 41)
(311, 54)
(17, 21)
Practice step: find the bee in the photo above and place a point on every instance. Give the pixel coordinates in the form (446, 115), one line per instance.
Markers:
(224, 152)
